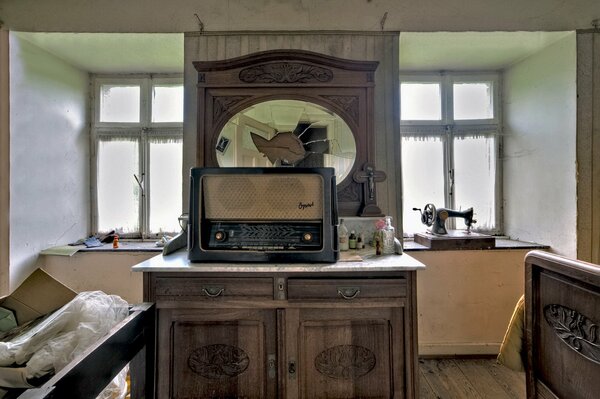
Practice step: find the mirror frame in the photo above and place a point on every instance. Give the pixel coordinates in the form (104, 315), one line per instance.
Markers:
(227, 87)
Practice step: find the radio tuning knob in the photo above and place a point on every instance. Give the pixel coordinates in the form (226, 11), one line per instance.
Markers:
(220, 235)
(307, 237)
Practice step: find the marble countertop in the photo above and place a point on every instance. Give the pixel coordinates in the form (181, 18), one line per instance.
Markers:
(351, 261)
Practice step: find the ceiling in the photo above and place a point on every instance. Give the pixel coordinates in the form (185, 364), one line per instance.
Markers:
(114, 52)
(297, 15)
(104, 53)
(468, 51)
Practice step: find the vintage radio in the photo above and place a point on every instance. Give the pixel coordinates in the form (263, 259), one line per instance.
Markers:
(263, 215)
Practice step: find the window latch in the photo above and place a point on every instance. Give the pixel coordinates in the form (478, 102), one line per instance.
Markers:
(140, 182)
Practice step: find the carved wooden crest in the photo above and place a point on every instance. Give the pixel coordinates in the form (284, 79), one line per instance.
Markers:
(575, 330)
(218, 361)
(285, 72)
(348, 103)
(222, 104)
(347, 362)
(351, 192)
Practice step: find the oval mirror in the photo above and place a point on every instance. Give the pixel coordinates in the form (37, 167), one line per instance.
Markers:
(287, 133)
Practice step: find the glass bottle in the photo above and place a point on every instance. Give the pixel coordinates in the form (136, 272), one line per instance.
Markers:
(377, 241)
(343, 236)
(389, 233)
(352, 240)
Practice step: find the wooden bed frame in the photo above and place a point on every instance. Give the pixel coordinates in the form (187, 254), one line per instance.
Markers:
(562, 327)
(131, 341)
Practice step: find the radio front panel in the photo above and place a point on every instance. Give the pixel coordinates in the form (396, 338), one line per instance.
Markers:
(263, 215)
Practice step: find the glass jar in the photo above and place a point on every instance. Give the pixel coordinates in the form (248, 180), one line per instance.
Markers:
(388, 235)
(343, 236)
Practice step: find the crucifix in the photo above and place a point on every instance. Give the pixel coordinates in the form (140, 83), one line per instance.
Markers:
(368, 176)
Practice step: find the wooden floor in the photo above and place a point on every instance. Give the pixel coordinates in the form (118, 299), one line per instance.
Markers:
(469, 378)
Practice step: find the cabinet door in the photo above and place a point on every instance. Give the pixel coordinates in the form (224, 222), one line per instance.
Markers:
(345, 353)
(217, 353)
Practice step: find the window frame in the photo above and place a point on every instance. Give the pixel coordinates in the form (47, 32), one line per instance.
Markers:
(448, 130)
(478, 77)
(123, 81)
(142, 132)
(162, 81)
(424, 78)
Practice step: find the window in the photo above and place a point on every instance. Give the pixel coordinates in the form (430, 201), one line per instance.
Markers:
(450, 147)
(137, 135)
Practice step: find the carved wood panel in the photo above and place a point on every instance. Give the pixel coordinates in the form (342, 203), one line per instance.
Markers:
(218, 361)
(576, 330)
(348, 353)
(566, 346)
(285, 72)
(219, 353)
(222, 105)
(347, 362)
(350, 104)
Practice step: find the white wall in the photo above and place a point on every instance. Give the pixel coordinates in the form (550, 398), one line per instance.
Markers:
(465, 299)
(4, 163)
(109, 272)
(49, 155)
(539, 148)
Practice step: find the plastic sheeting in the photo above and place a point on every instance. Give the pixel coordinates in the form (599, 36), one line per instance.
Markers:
(62, 335)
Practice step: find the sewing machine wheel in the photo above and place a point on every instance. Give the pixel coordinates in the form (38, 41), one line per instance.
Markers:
(428, 215)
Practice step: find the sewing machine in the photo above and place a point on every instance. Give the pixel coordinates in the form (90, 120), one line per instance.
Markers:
(436, 218)
(439, 238)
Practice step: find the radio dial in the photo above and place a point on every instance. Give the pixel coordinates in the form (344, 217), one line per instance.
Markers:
(307, 237)
(220, 236)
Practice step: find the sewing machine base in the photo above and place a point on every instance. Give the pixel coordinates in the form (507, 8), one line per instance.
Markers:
(455, 239)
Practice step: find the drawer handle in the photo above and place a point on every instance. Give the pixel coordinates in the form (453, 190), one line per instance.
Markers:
(348, 292)
(213, 292)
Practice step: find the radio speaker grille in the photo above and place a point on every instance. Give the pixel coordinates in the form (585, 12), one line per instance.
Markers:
(263, 197)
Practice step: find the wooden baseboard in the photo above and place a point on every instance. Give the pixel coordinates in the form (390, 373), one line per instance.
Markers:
(458, 349)
(428, 357)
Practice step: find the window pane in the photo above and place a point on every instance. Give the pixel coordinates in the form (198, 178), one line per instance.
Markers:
(423, 179)
(119, 103)
(167, 103)
(473, 101)
(420, 101)
(118, 193)
(474, 177)
(165, 185)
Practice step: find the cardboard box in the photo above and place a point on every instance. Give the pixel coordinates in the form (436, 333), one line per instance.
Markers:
(39, 294)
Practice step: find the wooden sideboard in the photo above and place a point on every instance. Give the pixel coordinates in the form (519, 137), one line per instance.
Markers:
(344, 330)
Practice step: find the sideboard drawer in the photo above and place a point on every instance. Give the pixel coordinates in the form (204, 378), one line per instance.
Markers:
(175, 288)
(346, 289)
